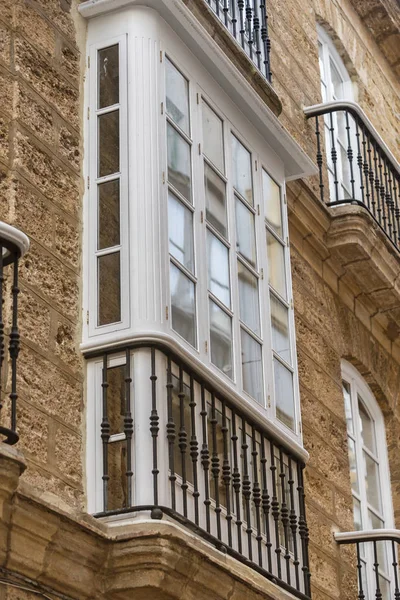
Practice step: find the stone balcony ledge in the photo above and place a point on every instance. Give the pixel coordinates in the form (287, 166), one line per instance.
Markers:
(79, 557)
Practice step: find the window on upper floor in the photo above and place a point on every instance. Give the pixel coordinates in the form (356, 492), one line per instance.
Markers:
(369, 473)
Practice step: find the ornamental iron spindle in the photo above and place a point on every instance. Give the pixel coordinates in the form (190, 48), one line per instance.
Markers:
(205, 462)
(13, 245)
(359, 166)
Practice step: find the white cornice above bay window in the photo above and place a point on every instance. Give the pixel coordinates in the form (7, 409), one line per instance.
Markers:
(297, 163)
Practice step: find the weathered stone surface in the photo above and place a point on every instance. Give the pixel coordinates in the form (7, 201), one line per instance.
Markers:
(33, 430)
(68, 454)
(35, 319)
(67, 240)
(35, 28)
(33, 113)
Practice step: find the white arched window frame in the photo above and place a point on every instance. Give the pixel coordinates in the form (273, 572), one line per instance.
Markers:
(335, 85)
(369, 471)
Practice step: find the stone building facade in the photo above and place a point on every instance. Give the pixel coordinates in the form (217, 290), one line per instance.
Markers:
(345, 277)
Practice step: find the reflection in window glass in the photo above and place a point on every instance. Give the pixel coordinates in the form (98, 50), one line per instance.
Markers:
(347, 406)
(221, 339)
(272, 201)
(248, 298)
(212, 137)
(280, 329)
(116, 398)
(367, 427)
(218, 449)
(276, 264)
(180, 227)
(353, 465)
(218, 269)
(252, 367)
(372, 482)
(181, 421)
(178, 162)
(177, 91)
(284, 396)
(109, 288)
(108, 143)
(117, 483)
(108, 76)
(242, 179)
(183, 305)
(357, 515)
(215, 200)
(245, 234)
(108, 214)
(337, 82)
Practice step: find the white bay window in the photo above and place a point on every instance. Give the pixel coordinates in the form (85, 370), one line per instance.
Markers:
(186, 240)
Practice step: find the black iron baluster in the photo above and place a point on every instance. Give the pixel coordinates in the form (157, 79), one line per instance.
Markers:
(334, 157)
(105, 433)
(377, 185)
(128, 426)
(154, 428)
(256, 30)
(396, 200)
(215, 465)
(275, 511)
(205, 457)
(361, 595)
(256, 494)
(395, 573)
(234, 18)
(236, 481)
(266, 503)
(378, 593)
(249, 27)
(217, 7)
(265, 39)
(225, 11)
(171, 435)
(388, 198)
(2, 347)
(284, 514)
(319, 159)
(365, 168)
(350, 154)
(226, 473)
(14, 345)
(246, 487)
(359, 161)
(293, 524)
(392, 204)
(382, 190)
(303, 529)
(242, 29)
(194, 451)
(371, 177)
(182, 440)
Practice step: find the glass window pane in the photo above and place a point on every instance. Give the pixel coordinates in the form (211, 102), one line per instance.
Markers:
(177, 89)
(372, 485)
(353, 465)
(242, 170)
(357, 515)
(108, 143)
(248, 298)
(179, 174)
(183, 305)
(375, 522)
(347, 407)
(181, 421)
(276, 265)
(284, 395)
(117, 467)
(218, 449)
(280, 329)
(272, 201)
(337, 82)
(116, 398)
(321, 61)
(384, 584)
(215, 200)
(108, 198)
(221, 339)
(109, 288)
(218, 269)
(245, 235)
(108, 76)
(180, 227)
(367, 427)
(252, 367)
(213, 144)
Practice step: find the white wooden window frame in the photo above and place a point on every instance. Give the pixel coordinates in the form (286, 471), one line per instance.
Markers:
(92, 183)
(359, 388)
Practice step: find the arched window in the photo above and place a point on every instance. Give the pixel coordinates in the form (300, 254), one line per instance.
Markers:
(335, 85)
(369, 470)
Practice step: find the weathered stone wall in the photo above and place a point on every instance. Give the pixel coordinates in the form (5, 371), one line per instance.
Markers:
(41, 193)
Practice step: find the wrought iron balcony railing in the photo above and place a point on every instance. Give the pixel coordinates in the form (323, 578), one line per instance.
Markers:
(377, 562)
(360, 167)
(13, 245)
(174, 447)
(247, 21)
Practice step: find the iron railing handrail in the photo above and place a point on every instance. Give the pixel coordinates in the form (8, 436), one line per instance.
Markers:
(367, 535)
(317, 110)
